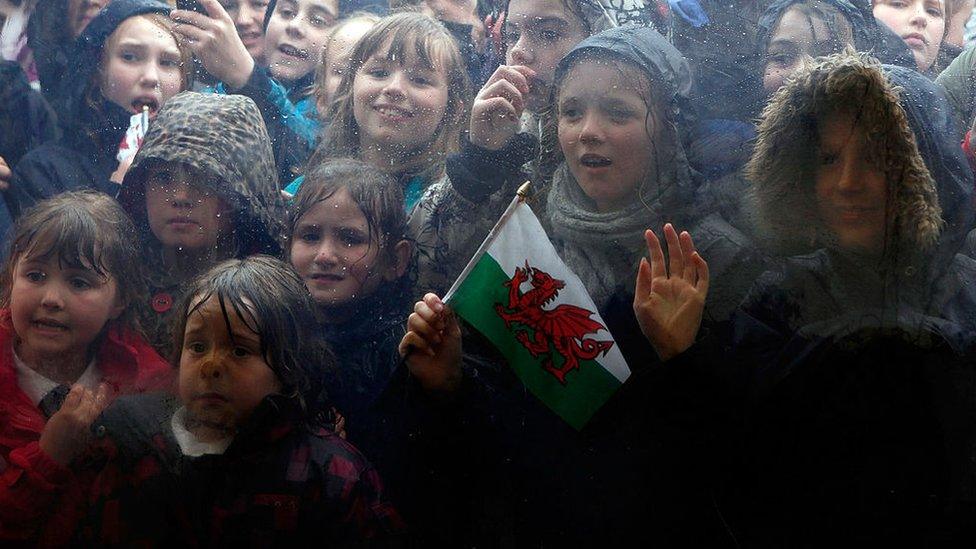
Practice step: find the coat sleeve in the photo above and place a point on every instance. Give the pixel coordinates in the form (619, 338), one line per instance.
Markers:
(959, 82)
(30, 484)
(454, 215)
(293, 129)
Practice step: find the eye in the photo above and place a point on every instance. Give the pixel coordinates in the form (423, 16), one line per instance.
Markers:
(196, 347)
(35, 276)
(570, 113)
(310, 236)
(241, 352)
(128, 56)
(621, 115)
(829, 159)
(934, 12)
(320, 21)
(549, 35)
(421, 80)
(79, 283)
(378, 72)
(287, 13)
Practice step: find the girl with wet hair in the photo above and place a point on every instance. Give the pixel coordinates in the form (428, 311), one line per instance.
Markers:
(69, 344)
(250, 373)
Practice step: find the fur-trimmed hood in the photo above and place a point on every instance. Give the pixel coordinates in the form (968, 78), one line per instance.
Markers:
(910, 132)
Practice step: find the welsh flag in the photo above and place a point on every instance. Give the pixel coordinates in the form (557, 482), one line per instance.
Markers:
(534, 309)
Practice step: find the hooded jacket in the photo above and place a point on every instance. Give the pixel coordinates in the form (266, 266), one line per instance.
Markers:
(859, 368)
(49, 38)
(224, 136)
(85, 156)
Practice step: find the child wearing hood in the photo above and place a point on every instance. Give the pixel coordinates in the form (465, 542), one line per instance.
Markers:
(850, 363)
(202, 188)
(295, 33)
(620, 166)
(128, 58)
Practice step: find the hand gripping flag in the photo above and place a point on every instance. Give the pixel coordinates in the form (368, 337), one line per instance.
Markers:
(519, 294)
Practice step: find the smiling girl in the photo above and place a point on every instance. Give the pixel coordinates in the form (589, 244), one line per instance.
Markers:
(127, 58)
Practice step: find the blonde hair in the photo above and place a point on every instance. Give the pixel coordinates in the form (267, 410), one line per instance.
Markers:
(322, 70)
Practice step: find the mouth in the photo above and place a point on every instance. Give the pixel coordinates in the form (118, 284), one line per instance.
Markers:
(180, 223)
(326, 278)
(49, 324)
(145, 101)
(211, 398)
(251, 38)
(595, 161)
(393, 113)
(915, 39)
(855, 213)
(292, 51)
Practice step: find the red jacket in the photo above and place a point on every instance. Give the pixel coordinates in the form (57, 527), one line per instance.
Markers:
(40, 500)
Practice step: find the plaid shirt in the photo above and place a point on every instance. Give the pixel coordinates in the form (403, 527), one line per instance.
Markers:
(278, 483)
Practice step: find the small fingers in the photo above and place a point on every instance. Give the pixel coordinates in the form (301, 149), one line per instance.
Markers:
(687, 249)
(412, 341)
(423, 328)
(644, 282)
(677, 264)
(73, 398)
(657, 254)
(702, 267)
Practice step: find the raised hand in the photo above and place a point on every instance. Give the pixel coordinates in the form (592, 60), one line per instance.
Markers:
(432, 345)
(68, 432)
(669, 302)
(215, 42)
(498, 107)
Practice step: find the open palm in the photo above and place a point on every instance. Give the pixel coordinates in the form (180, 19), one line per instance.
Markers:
(669, 301)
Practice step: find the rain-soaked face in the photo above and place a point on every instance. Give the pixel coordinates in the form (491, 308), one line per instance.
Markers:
(920, 23)
(182, 210)
(297, 32)
(538, 33)
(605, 130)
(398, 104)
(336, 254)
(81, 12)
(223, 373)
(248, 16)
(341, 45)
(796, 39)
(851, 191)
(141, 66)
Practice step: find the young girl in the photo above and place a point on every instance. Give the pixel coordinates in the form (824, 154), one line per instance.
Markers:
(295, 32)
(348, 243)
(201, 189)
(240, 458)
(336, 56)
(920, 23)
(68, 344)
(401, 104)
(127, 58)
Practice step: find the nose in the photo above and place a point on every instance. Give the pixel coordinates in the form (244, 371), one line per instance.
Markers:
(150, 75)
(296, 27)
(591, 128)
(520, 53)
(212, 367)
(181, 195)
(919, 17)
(851, 179)
(244, 16)
(53, 297)
(327, 254)
(395, 85)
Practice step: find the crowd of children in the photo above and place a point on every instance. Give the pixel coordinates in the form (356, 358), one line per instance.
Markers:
(229, 227)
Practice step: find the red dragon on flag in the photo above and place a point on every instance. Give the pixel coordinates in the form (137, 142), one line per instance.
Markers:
(562, 330)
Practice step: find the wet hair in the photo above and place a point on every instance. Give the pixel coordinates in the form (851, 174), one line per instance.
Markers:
(839, 28)
(84, 230)
(435, 48)
(322, 69)
(376, 193)
(268, 297)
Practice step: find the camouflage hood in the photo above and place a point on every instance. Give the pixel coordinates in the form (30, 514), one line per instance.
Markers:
(225, 136)
(910, 135)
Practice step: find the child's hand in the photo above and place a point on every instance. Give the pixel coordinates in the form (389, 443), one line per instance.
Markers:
(669, 307)
(432, 346)
(498, 107)
(214, 40)
(68, 432)
(4, 175)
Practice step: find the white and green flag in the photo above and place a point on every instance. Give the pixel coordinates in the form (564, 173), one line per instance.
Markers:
(534, 309)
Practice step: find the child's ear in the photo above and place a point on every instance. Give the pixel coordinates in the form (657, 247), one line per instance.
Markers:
(400, 257)
(118, 308)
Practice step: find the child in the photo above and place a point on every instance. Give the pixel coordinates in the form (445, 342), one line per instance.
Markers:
(337, 55)
(401, 104)
(201, 189)
(295, 32)
(71, 285)
(127, 58)
(240, 459)
(920, 23)
(248, 17)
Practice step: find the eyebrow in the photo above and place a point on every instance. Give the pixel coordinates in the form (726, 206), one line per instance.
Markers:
(544, 20)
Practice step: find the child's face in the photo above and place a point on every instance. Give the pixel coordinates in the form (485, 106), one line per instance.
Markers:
(605, 130)
(141, 66)
(851, 193)
(297, 31)
(538, 33)
(58, 312)
(340, 56)
(796, 38)
(223, 375)
(920, 23)
(248, 16)
(181, 210)
(398, 107)
(335, 254)
(81, 12)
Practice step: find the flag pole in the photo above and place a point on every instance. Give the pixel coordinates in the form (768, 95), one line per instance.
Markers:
(520, 196)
